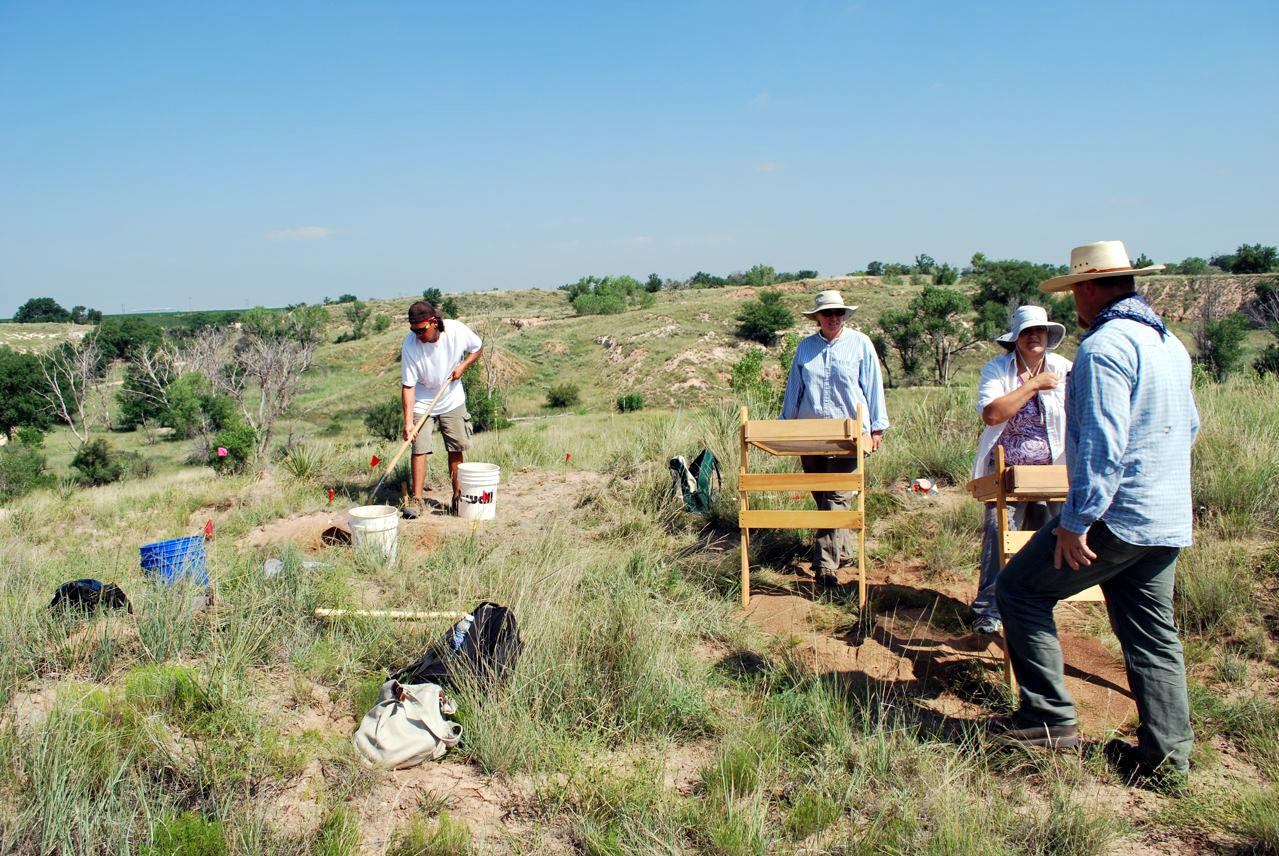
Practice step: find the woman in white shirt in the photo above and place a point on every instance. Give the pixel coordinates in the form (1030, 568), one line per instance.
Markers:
(1021, 397)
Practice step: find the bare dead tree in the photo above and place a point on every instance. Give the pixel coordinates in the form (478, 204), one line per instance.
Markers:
(72, 376)
(267, 369)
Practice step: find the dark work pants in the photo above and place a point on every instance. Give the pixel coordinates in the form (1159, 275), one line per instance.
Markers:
(1137, 582)
(831, 547)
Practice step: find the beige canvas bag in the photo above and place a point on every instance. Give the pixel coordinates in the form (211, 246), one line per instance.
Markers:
(407, 726)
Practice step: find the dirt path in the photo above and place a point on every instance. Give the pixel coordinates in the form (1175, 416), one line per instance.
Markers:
(528, 502)
(916, 646)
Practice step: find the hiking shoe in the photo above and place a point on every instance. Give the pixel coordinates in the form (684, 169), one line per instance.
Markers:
(414, 508)
(453, 506)
(1136, 772)
(827, 579)
(987, 626)
(1007, 731)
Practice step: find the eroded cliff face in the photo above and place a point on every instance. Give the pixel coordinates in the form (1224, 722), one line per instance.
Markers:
(1181, 298)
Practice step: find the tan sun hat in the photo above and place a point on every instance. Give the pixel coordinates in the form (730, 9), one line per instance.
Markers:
(1097, 261)
(831, 299)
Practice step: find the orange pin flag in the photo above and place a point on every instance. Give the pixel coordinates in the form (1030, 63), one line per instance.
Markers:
(376, 460)
(330, 496)
(208, 530)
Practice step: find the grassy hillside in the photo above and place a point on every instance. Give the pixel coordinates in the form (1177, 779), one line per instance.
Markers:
(649, 714)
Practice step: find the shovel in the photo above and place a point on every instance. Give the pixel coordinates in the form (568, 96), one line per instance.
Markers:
(403, 446)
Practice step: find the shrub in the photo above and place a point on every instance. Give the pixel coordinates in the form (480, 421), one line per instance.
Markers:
(609, 295)
(762, 319)
(187, 834)
(386, 420)
(630, 401)
(747, 377)
(240, 441)
(195, 409)
(1268, 361)
(29, 435)
(486, 404)
(302, 461)
(22, 470)
(98, 463)
(1220, 343)
(381, 323)
(563, 395)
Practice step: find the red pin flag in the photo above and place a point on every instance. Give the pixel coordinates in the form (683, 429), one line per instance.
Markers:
(330, 496)
(208, 530)
(375, 461)
(567, 455)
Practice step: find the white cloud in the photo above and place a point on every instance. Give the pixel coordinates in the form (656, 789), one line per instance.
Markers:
(300, 233)
(770, 166)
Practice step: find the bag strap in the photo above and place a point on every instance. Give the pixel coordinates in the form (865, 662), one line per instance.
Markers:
(445, 731)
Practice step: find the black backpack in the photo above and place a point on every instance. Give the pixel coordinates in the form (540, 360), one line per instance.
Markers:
(87, 594)
(693, 481)
(488, 654)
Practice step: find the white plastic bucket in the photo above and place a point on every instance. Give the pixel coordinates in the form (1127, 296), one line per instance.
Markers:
(478, 486)
(373, 528)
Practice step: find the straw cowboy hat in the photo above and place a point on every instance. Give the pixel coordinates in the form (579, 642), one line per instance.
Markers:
(1026, 317)
(829, 300)
(1097, 261)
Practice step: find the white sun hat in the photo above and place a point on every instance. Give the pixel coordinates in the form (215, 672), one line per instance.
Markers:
(831, 299)
(1097, 261)
(1026, 317)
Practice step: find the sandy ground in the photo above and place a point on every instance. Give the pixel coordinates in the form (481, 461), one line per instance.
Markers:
(526, 504)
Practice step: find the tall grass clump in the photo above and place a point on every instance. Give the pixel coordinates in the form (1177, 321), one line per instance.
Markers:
(934, 435)
(1235, 469)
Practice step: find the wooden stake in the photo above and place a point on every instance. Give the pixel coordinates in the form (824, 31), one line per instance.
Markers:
(398, 614)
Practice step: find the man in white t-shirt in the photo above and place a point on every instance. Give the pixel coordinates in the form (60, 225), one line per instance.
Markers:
(436, 354)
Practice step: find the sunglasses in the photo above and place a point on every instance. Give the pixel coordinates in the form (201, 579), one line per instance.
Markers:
(832, 313)
(428, 324)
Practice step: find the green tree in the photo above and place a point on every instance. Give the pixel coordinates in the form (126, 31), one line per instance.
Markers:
(760, 320)
(20, 400)
(121, 336)
(946, 332)
(653, 284)
(1143, 261)
(760, 275)
(1190, 266)
(1254, 258)
(1011, 283)
(924, 264)
(875, 269)
(41, 309)
(443, 303)
(905, 333)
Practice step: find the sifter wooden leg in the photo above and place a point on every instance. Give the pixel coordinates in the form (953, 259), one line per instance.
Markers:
(746, 567)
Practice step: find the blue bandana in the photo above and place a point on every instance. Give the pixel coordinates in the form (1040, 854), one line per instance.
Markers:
(1132, 307)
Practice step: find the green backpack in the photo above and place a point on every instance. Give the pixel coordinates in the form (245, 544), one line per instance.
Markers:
(693, 481)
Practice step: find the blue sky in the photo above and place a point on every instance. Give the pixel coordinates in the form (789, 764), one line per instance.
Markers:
(183, 155)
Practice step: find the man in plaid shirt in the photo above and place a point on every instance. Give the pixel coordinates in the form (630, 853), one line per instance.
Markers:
(1130, 423)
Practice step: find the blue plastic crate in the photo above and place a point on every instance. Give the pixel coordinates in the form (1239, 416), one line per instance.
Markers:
(175, 559)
